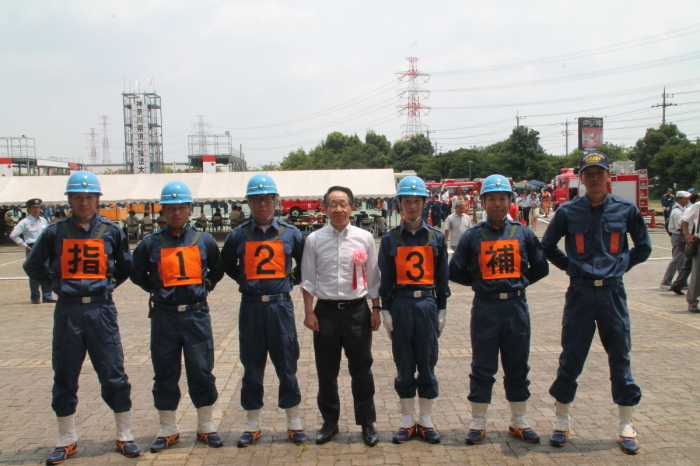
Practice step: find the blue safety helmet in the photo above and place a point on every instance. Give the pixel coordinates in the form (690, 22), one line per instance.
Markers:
(83, 182)
(496, 183)
(412, 186)
(261, 184)
(175, 192)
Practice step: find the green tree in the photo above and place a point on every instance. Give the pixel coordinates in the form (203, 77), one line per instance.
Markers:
(296, 160)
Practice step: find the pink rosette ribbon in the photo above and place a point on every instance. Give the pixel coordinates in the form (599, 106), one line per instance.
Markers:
(359, 278)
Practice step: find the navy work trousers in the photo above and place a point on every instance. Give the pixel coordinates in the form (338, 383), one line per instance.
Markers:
(172, 335)
(585, 307)
(92, 328)
(268, 328)
(344, 329)
(415, 346)
(39, 291)
(500, 325)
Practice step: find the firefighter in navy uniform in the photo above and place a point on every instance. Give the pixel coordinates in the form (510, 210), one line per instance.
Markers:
(499, 258)
(85, 256)
(258, 255)
(414, 290)
(179, 265)
(597, 255)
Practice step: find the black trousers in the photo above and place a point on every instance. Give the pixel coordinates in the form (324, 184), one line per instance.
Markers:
(344, 329)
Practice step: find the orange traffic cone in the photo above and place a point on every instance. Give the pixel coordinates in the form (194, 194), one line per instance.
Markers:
(653, 220)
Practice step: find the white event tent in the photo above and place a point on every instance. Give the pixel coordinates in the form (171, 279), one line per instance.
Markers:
(301, 184)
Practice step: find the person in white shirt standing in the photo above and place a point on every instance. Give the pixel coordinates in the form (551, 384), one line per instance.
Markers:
(25, 234)
(690, 222)
(339, 267)
(674, 229)
(456, 224)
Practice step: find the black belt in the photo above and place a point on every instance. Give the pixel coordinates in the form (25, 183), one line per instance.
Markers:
(342, 304)
(180, 308)
(415, 293)
(269, 298)
(511, 294)
(603, 282)
(84, 299)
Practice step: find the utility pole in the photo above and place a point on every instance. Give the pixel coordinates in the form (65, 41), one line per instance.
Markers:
(517, 119)
(566, 133)
(663, 105)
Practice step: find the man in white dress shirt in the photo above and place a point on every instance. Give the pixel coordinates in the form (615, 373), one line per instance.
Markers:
(25, 234)
(339, 268)
(691, 223)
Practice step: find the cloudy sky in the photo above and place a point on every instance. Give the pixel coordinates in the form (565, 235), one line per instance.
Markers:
(280, 75)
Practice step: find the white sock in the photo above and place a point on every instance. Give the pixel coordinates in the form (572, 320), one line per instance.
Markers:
(293, 420)
(123, 421)
(253, 423)
(408, 415)
(168, 424)
(425, 417)
(66, 431)
(205, 423)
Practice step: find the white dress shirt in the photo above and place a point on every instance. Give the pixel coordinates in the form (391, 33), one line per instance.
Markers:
(690, 216)
(674, 220)
(30, 228)
(327, 268)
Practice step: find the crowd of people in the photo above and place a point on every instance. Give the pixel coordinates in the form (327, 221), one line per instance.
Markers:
(349, 290)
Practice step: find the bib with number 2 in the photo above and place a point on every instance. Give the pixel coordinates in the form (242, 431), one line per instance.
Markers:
(264, 259)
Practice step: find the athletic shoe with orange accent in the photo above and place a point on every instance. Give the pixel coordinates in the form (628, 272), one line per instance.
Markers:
(629, 445)
(298, 436)
(212, 439)
(60, 454)
(161, 443)
(475, 436)
(558, 438)
(526, 434)
(404, 434)
(248, 438)
(429, 434)
(128, 448)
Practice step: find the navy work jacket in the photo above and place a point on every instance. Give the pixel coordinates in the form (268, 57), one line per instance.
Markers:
(233, 253)
(596, 238)
(44, 261)
(387, 263)
(465, 267)
(147, 256)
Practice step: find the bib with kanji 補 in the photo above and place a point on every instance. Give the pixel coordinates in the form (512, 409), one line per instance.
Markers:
(500, 259)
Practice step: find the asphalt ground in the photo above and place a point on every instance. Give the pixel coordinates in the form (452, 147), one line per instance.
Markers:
(666, 350)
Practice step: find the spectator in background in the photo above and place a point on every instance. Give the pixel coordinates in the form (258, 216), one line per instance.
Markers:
(681, 281)
(435, 211)
(677, 246)
(667, 201)
(456, 224)
(546, 198)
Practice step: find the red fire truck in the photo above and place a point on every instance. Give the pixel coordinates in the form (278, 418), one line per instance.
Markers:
(296, 207)
(453, 186)
(625, 182)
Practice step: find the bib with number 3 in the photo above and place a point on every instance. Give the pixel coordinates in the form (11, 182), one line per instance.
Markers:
(181, 266)
(415, 265)
(264, 259)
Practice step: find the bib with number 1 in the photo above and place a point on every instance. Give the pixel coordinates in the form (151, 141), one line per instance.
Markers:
(181, 266)
(415, 265)
(264, 259)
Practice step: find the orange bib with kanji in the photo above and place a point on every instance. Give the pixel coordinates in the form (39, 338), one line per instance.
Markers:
(500, 259)
(83, 258)
(264, 259)
(180, 266)
(415, 265)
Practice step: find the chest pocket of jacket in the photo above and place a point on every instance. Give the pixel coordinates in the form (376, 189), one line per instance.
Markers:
(579, 230)
(616, 232)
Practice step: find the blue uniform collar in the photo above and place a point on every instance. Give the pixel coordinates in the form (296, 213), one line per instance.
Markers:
(423, 226)
(253, 224)
(605, 202)
(169, 231)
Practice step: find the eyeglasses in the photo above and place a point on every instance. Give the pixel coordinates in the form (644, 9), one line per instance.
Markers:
(261, 199)
(342, 206)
